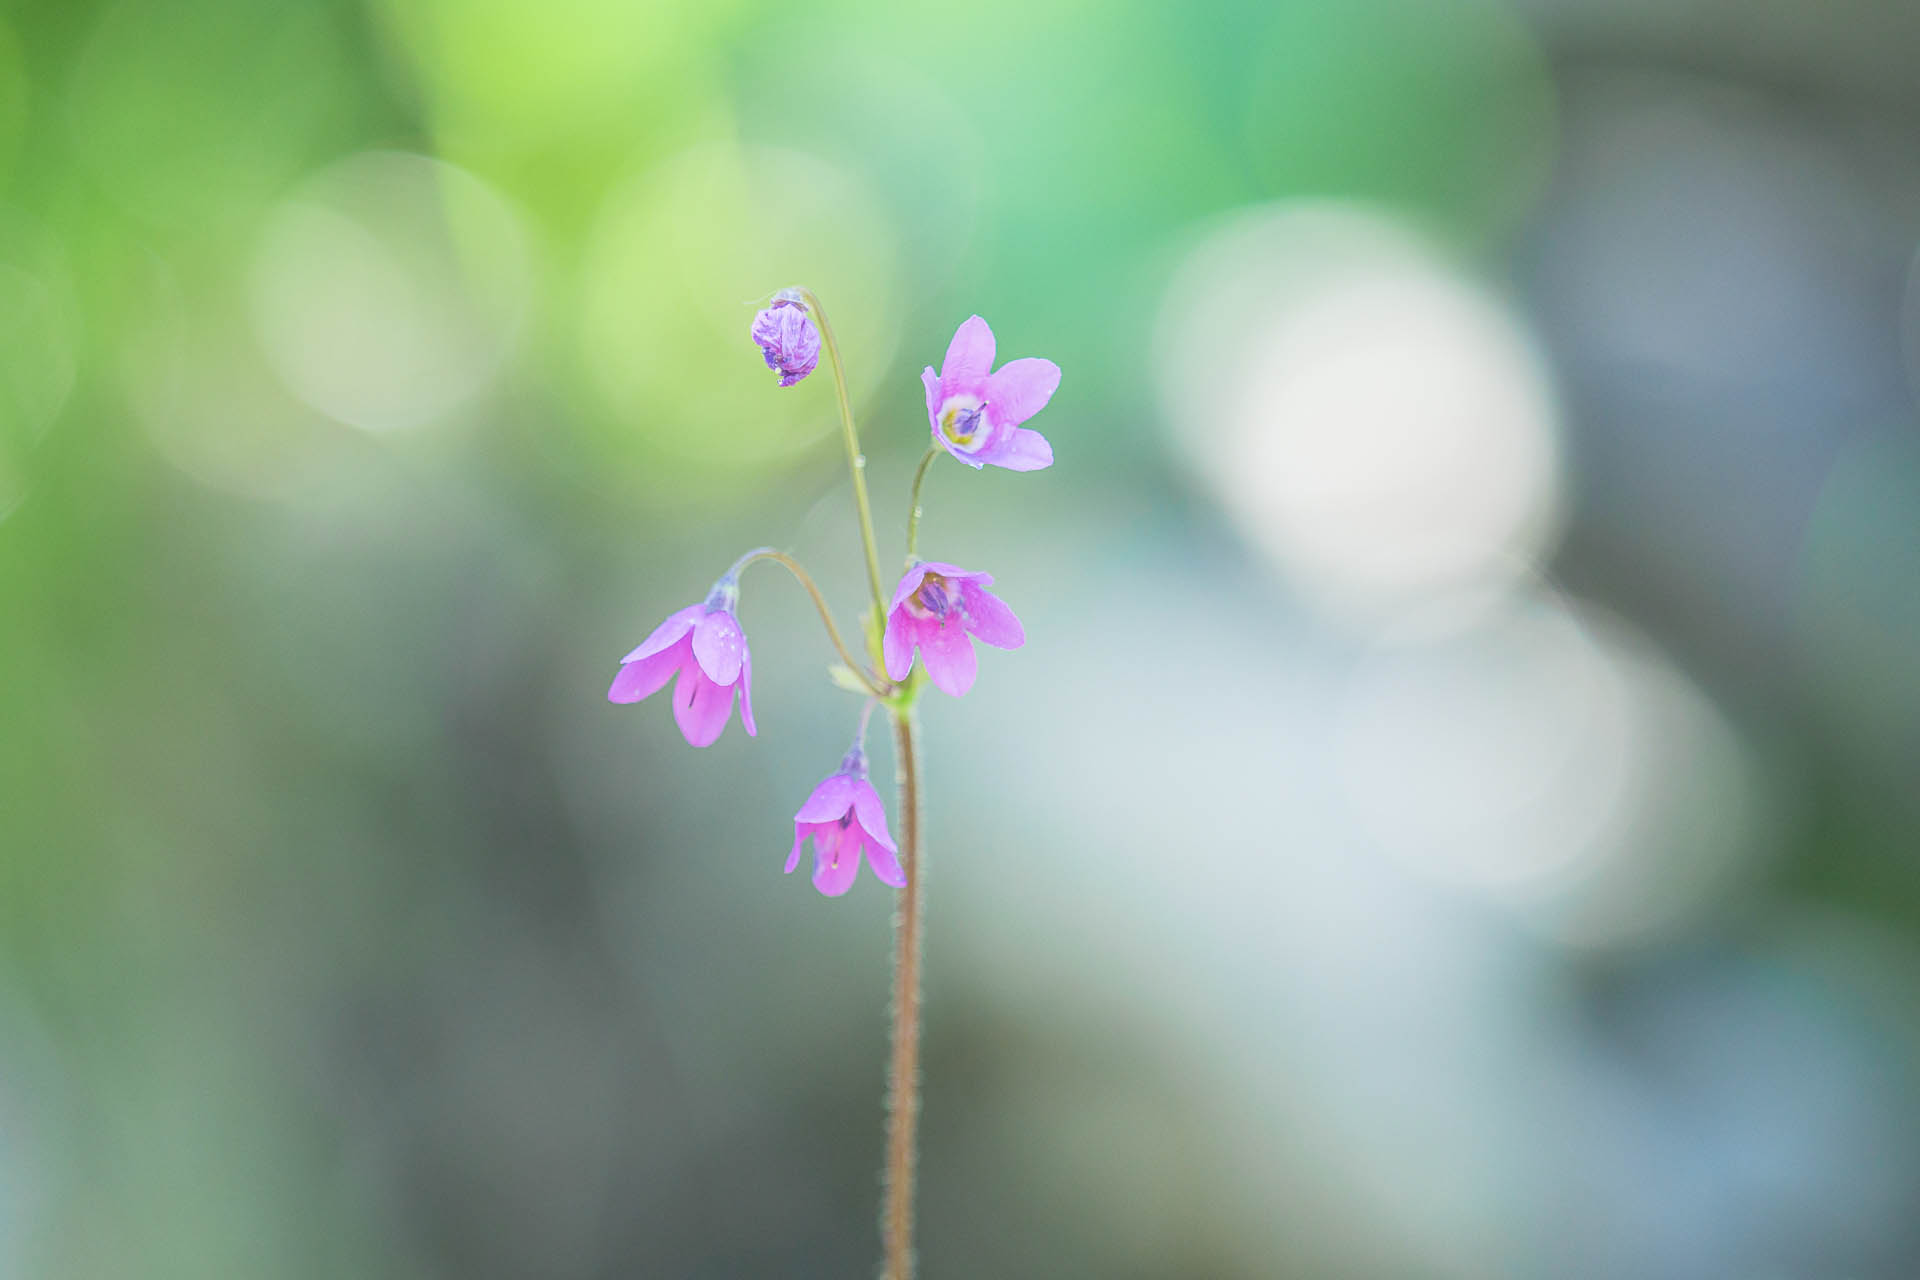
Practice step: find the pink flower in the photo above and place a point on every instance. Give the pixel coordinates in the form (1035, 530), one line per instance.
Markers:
(703, 643)
(936, 606)
(976, 415)
(844, 816)
(788, 339)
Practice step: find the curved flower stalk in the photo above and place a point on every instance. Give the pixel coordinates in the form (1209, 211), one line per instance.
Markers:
(937, 611)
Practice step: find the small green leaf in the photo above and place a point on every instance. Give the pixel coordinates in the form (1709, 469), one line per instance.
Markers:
(845, 677)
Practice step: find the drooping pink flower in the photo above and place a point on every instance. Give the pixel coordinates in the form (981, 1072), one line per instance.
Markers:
(939, 607)
(704, 645)
(787, 337)
(976, 414)
(844, 816)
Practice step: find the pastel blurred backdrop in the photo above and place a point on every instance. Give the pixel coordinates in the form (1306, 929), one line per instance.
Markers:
(1457, 814)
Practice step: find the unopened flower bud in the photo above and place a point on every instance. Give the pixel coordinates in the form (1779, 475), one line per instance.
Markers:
(787, 337)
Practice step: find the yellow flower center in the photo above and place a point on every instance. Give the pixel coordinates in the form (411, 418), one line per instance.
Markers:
(962, 419)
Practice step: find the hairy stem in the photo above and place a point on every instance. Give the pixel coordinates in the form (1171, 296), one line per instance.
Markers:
(903, 1076)
(856, 461)
(805, 579)
(913, 504)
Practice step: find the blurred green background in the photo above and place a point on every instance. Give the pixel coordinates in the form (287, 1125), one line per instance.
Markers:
(1457, 813)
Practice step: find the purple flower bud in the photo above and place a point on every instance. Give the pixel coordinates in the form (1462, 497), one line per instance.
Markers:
(787, 337)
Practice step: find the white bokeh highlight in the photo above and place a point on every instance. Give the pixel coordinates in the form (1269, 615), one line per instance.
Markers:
(1550, 759)
(195, 380)
(391, 290)
(1376, 421)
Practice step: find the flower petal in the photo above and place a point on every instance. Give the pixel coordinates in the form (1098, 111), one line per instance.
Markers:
(989, 618)
(896, 645)
(948, 654)
(931, 381)
(909, 583)
(801, 830)
(836, 859)
(1021, 388)
(885, 864)
(746, 691)
(718, 644)
(829, 801)
(1021, 449)
(870, 813)
(969, 356)
(971, 460)
(666, 633)
(644, 678)
(700, 707)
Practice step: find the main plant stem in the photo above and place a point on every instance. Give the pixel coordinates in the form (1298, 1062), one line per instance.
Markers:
(903, 1075)
(856, 461)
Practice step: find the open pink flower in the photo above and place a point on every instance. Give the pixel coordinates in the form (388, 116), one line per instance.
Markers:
(844, 816)
(939, 607)
(976, 414)
(704, 645)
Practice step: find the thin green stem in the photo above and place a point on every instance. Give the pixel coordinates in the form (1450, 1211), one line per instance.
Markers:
(856, 461)
(801, 576)
(913, 504)
(903, 1075)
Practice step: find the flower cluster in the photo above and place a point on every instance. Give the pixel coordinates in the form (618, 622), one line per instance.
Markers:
(936, 612)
